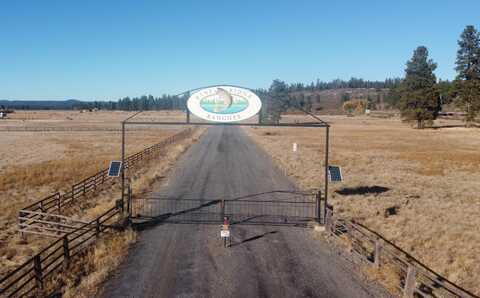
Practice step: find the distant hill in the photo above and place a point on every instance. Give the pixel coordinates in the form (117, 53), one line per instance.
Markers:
(42, 104)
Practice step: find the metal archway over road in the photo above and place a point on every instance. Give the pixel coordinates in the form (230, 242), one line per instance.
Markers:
(273, 206)
(226, 169)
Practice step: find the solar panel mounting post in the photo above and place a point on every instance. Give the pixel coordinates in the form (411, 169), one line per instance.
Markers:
(327, 138)
(123, 161)
(187, 94)
(123, 156)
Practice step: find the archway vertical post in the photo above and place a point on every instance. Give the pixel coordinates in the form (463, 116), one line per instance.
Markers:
(187, 94)
(123, 162)
(327, 145)
(124, 122)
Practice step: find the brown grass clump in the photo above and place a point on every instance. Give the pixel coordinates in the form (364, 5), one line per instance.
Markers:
(388, 275)
(100, 261)
(56, 173)
(431, 177)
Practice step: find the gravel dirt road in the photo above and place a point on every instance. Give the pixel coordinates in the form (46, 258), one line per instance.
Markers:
(188, 260)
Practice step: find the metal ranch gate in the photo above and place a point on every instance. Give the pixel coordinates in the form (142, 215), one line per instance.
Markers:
(272, 208)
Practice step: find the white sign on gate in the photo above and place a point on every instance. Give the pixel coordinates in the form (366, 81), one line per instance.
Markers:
(224, 104)
(225, 233)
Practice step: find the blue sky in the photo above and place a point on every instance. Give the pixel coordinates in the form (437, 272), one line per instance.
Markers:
(97, 50)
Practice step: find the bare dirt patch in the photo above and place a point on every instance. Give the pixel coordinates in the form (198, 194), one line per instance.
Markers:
(429, 177)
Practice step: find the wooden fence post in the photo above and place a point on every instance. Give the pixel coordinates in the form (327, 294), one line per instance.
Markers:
(21, 221)
(319, 207)
(129, 201)
(378, 252)
(73, 193)
(37, 269)
(410, 281)
(328, 219)
(97, 227)
(66, 252)
(59, 203)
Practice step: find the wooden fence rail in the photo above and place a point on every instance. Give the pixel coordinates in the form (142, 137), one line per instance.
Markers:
(32, 277)
(55, 202)
(414, 278)
(47, 224)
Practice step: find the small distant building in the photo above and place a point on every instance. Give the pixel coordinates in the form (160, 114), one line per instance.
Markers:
(3, 115)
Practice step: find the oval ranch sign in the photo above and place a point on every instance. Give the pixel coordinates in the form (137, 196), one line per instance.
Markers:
(224, 104)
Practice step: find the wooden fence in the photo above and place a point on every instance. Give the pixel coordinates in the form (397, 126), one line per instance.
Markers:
(56, 202)
(47, 224)
(413, 278)
(4, 128)
(35, 278)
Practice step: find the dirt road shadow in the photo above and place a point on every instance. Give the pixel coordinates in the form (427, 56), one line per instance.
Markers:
(252, 238)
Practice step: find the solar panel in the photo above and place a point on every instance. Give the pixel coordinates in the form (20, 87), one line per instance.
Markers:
(114, 169)
(335, 174)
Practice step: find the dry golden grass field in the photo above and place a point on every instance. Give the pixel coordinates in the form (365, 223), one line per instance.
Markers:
(42, 152)
(430, 177)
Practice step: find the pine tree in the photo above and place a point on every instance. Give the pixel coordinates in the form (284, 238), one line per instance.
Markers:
(468, 54)
(467, 83)
(419, 100)
(277, 101)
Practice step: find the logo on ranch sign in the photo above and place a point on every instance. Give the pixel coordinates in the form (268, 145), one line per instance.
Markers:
(224, 104)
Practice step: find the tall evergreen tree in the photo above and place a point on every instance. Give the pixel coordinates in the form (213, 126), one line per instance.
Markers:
(419, 100)
(467, 83)
(468, 54)
(277, 102)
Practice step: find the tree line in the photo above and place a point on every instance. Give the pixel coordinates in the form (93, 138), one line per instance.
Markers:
(143, 103)
(169, 102)
(319, 85)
